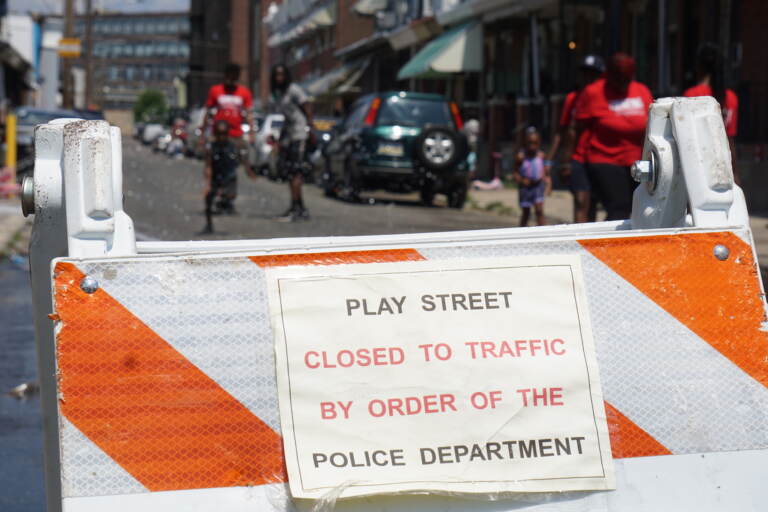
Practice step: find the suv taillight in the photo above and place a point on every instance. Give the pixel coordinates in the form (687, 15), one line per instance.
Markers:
(370, 117)
(456, 116)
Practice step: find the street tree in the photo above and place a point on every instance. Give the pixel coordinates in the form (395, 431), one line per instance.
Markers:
(150, 107)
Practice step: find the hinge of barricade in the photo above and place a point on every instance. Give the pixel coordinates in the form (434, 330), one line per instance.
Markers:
(78, 175)
(686, 175)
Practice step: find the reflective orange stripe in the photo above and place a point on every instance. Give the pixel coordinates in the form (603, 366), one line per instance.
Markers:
(146, 406)
(338, 258)
(718, 300)
(629, 440)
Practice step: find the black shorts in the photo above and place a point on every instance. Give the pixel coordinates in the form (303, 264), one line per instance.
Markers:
(579, 179)
(613, 186)
(292, 159)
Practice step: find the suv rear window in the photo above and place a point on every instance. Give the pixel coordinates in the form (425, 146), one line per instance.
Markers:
(37, 117)
(412, 112)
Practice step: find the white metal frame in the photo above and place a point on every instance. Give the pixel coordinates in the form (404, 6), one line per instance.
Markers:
(688, 187)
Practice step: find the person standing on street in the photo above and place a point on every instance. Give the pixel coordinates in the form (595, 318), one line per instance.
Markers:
(532, 176)
(231, 102)
(291, 100)
(711, 82)
(614, 110)
(572, 169)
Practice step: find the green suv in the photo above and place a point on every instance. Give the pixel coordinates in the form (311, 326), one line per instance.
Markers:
(399, 142)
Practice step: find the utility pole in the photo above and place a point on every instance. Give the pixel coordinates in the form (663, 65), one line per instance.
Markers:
(88, 53)
(69, 31)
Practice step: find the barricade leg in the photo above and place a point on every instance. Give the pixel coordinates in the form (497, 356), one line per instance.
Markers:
(79, 160)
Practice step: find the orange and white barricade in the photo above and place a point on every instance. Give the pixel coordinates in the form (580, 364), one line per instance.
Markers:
(158, 359)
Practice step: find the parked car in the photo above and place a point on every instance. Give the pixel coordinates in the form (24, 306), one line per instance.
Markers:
(90, 115)
(161, 143)
(152, 132)
(324, 128)
(195, 130)
(26, 120)
(400, 142)
(178, 143)
(266, 144)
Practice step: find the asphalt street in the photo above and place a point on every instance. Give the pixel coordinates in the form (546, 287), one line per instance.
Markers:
(21, 442)
(165, 199)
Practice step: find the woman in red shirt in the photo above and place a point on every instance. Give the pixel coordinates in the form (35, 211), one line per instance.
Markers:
(615, 111)
(709, 72)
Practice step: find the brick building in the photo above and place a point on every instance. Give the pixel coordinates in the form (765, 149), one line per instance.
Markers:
(526, 52)
(221, 32)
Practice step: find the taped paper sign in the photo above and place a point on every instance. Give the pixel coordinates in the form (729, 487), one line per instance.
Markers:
(469, 377)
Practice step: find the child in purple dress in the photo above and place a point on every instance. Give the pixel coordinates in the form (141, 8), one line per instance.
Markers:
(532, 176)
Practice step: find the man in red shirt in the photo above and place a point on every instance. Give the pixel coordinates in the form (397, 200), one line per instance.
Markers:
(711, 82)
(572, 169)
(231, 102)
(615, 111)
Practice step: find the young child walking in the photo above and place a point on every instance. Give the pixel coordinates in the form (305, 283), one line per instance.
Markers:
(222, 160)
(532, 175)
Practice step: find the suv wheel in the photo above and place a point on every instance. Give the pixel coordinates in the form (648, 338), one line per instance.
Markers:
(427, 194)
(352, 185)
(440, 148)
(329, 186)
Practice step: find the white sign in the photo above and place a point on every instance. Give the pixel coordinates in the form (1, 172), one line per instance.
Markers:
(475, 377)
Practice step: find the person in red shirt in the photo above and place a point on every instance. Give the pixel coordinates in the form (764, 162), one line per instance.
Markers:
(709, 72)
(231, 102)
(614, 110)
(572, 169)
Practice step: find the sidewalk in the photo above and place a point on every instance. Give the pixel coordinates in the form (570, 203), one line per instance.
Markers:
(558, 208)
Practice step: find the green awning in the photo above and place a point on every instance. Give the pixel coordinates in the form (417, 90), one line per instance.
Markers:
(337, 81)
(369, 7)
(458, 50)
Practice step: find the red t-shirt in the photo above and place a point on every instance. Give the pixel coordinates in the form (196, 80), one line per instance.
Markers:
(230, 106)
(568, 114)
(616, 121)
(730, 109)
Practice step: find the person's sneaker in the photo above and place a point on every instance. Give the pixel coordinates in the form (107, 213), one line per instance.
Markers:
(302, 214)
(290, 215)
